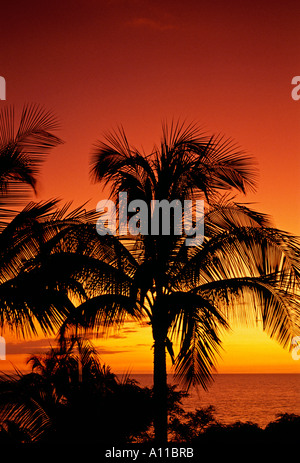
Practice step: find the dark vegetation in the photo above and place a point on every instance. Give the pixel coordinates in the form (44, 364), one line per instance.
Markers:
(58, 276)
(70, 398)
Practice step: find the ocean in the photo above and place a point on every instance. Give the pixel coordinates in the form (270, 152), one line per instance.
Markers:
(244, 397)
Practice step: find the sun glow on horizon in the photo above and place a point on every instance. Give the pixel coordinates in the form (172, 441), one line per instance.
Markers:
(129, 350)
(135, 64)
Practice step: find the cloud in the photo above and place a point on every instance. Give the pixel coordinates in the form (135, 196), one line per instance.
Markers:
(122, 333)
(40, 346)
(117, 336)
(104, 351)
(144, 324)
(155, 24)
(30, 347)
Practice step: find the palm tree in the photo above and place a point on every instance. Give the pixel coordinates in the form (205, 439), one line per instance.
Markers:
(52, 404)
(38, 274)
(23, 149)
(243, 268)
(244, 272)
(41, 276)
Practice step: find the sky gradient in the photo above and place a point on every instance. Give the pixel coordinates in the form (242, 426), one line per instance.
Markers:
(98, 64)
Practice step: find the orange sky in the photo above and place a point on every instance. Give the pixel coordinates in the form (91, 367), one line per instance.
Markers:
(98, 64)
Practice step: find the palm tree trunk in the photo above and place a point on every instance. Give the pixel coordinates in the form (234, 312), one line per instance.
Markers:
(160, 392)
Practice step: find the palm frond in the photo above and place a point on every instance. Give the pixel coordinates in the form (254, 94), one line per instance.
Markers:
(23, 150)
(250, 299)
(199, 347)
(104, 312)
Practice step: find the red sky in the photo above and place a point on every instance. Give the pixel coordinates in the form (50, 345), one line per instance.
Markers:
(227, 65)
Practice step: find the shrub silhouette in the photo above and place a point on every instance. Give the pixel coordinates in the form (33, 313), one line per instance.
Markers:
(286, 427)
(70, 397)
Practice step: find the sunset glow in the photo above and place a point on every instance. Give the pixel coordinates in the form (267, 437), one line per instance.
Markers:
(225, 65)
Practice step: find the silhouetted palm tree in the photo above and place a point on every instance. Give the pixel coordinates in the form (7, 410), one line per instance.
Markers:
(38, 273)
(23, 149)
(243, 267)
(56, 404)
(41, 277)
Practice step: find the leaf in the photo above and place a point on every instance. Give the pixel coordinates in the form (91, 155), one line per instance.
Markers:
(23, 150)
(169, 346)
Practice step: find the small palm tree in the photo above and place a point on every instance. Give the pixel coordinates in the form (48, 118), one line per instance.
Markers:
(40, 403)
(244, 267)
(53, 404)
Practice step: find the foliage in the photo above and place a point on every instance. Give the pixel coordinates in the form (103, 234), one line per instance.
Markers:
(188, 426)
(245, 269)
(39, 272)
(285, 427)
(70, 396)
(22, 150)
(56, 272)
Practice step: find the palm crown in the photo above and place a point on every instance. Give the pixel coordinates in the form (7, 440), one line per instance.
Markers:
(243, 268)
(37, 273)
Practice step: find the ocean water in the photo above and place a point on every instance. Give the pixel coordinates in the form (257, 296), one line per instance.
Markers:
(245, 397)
